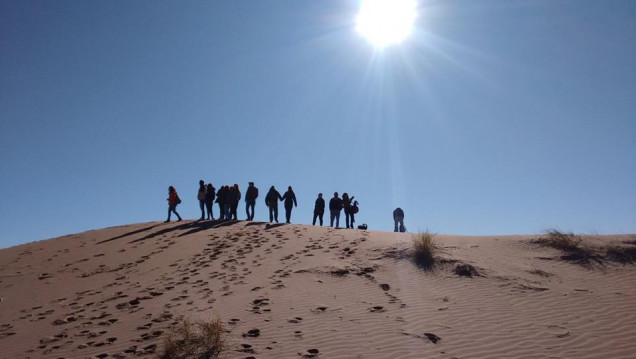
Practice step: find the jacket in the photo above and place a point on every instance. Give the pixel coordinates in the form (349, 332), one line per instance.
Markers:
(335, 204)
(290, 199)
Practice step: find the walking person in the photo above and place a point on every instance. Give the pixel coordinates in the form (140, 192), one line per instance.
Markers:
(398, 218)
(201, 198)
(250, 200)
(348, 209)
(220, 196)
(271, 200)
(173, 201)
(290, 200)
(319, 209)
(235, 198)
(209, 199)
(335, 206)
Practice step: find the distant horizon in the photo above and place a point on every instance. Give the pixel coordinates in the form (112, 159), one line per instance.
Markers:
(484, 117)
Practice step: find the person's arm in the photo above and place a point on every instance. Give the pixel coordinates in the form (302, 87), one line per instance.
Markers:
(294, 198)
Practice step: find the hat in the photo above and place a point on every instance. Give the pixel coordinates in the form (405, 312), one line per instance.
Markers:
(250, 182)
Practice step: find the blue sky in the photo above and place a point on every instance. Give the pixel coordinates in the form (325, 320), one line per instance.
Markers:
(494, 117)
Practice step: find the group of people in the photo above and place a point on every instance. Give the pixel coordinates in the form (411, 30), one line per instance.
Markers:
(336, 205)
(228, 198)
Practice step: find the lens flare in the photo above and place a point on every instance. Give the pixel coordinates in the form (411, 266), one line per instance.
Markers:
(386, 22)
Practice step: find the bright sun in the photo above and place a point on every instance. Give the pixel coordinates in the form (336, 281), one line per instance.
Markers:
(386, 22)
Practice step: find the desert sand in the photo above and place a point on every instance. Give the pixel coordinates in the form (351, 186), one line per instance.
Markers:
(290, 291)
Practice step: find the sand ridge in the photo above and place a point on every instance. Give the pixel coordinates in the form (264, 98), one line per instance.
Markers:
(287, 291)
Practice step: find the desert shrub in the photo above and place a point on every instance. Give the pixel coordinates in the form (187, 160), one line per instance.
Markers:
(424, 248)
(621, 254)
(571, 248)
(200, 340)
(563, 241)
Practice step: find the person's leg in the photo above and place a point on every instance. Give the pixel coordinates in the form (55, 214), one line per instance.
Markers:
(353, 219)
(169, 212)
(202, 206)
(288, 211)
(347, 219)
(174, 209)
(252, 206)
(247, 211)
(320, 217)
(271, 214)
(337, 219)
(396, 225)
(276, 214)
(313, 222)
(332, 216)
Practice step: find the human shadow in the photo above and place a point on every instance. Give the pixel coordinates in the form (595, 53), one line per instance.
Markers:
(254, 224)
(204, 225)
(270, 226)
(165, 231)
(130, 233)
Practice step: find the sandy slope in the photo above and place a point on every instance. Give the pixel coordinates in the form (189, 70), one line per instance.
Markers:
(114, 293)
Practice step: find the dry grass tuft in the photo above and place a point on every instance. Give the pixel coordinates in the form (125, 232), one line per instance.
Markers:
(200, 340)
(570, 246)
(625, 255)
(424, 248)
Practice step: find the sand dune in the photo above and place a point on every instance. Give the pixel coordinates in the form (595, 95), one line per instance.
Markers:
(288, 291)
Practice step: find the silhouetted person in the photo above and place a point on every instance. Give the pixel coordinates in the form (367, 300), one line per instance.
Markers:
(290, 201)
(250, 200)
(220, 199)
(201, 198)
(227, 202)
(398, 218)
(173, 201)
(335, 206)
(319, 209)
(271, 200)
(348, 209)
(209, 199)
(235, 198)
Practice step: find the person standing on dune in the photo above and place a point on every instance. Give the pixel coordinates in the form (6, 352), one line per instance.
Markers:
(250, 200)
(348, 209)
(209, 199)
(220, 199)
(173, 201)
(335, 206)
(319, 209)
(235, 198)
(290, 200)
(201, 198)
(271, 200)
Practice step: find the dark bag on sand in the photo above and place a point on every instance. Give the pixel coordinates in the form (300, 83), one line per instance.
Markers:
(363, 226)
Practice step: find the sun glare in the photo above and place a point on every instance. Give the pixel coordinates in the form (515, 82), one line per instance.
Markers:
(386, 22)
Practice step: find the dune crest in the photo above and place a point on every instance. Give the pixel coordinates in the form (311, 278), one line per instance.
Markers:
(285, 291)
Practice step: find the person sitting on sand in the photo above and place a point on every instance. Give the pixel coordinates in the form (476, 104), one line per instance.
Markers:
(271, 200)
(319, 209)
(201, 198)
(348, 209)
(290, 200)
(250, 200)
(398, 218)
(209, 199)
(335, 206)
(173, 201)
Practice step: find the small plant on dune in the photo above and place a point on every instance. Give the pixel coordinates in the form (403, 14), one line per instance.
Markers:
(563, 241)
(424, 248)
(570, 245)
(620, 254)
(200, 340)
